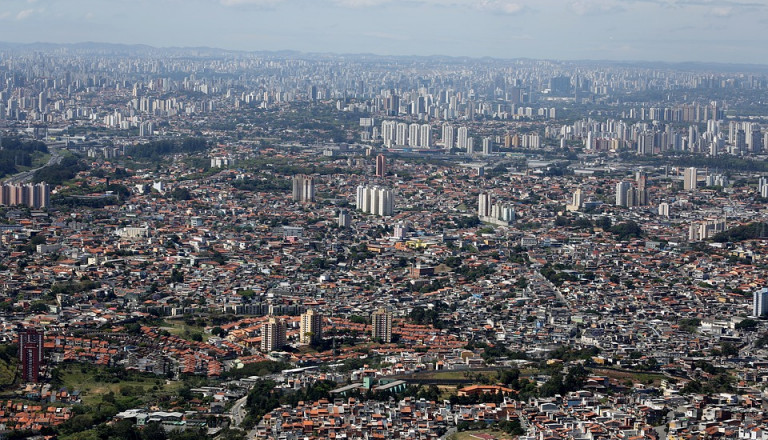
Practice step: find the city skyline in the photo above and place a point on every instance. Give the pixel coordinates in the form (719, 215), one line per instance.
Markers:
(650, 30)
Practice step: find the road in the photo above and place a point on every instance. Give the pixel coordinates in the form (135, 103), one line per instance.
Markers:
(26, 176)
(238, 412)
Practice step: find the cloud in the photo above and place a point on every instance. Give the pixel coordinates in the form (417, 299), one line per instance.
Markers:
(26, 13)
(595, 7)
(504, 6)
(724, 11)
(249, 2)
(360, 3)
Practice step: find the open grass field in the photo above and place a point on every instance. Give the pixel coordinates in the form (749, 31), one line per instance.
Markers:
(94, 383)
(623, 376)
(183, 330)
(483, 434)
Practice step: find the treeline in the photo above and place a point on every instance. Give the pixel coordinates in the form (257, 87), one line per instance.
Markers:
(266, 185)
(722, 162)
(15, 152)
(264, 397)
(156, 149)
(740, 233)
(58, 174)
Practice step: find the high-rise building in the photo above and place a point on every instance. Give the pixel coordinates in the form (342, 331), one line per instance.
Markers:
(401, 133)
(484, 205)
(413, 135)
(31, 195)
(30, 354)
(622, 190)
(462, 138)
(303, 188)
(664, 209)
(690, 178)
(448, 136)
(388, 133)
(310, 327)
(642, 188)
(760, 302)
(375, 200)
(381, 165)
(344, 218)
(381, 325)
(487, 146)
(425, 136)
(273, 335)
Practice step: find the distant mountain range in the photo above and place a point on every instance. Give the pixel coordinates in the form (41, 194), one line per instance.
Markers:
(118, 49)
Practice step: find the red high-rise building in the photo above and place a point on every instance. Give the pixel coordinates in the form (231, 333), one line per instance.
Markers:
(30, 354)
(381, 165)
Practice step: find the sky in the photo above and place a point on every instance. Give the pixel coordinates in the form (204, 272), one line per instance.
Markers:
(726, 31)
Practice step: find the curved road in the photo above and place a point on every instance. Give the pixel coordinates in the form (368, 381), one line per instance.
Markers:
(26, 176)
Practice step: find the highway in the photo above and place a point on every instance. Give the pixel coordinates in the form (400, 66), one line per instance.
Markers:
(26, 176)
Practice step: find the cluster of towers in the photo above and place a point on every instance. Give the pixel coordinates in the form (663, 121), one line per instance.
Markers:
(273, 332)
(375, 200)
(413, 135)
(31, 195)
(493, 213)
(628, 195)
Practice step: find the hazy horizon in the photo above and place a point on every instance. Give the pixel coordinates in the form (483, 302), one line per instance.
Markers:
(611, 30)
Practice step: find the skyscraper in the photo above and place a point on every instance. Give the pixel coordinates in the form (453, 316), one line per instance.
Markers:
(381, 165)
(413, 135)
(425, 136)
(448, 136)
(642, 188)
(461, 138)
(30, 354)
(689, 179)
(272, 335)
(381, 325)
(303, 188)
(622, 190)
(344, 218)
(484, 205)
(375, 200)
(487, 146)
(760, 302)
(310, 327)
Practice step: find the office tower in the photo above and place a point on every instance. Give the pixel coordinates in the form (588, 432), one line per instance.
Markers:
(272, 335)
(303, 188)
(484, 205)
(30, 354)
(344, 218)
(642, 188)
(310, 327)
(462, 138)
(375, 200)
(487, 146)
(689, 178)
(381, 165)
(622, 191)
(381, 325)
(760, 302)
(448, 136)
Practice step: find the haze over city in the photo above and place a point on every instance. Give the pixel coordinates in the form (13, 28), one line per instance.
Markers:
(650, 30)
